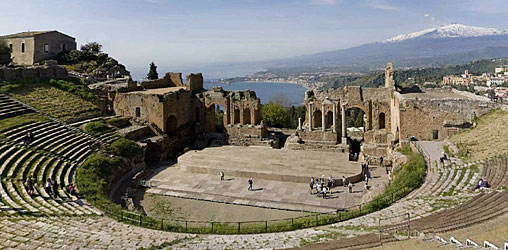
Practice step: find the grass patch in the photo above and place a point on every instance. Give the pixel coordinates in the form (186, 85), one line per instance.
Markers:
(125, 148)
(486, 140)
(329, 235)
(446, 149)
(20, 120)
(439, 204)
(167, 244)
(96, 128)
(61, 99)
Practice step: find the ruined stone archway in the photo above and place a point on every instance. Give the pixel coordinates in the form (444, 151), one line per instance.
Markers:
(329, 119)
(172, 126)
(246, 116)
(317, 119)
(382, 120)
(236, 116)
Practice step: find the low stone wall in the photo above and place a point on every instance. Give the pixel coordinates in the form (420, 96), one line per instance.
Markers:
(320, 136)
(19, 73)
(169, 80)
(247, 131)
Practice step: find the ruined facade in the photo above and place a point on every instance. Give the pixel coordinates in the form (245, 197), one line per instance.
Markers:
(34, 72)
(391, 118)
(179, 110)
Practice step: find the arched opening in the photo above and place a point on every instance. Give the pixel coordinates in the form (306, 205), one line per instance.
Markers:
(246, 116)
(172, 126)
(316, 118)
(237, 116)
(219, 122)
(197, 115)
(138, 112)
(382, 121)
(329, 119)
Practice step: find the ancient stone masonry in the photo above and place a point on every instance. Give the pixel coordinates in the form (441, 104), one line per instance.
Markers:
(35, 72)
(390, 118)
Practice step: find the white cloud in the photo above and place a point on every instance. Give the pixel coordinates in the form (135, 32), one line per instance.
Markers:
(428, 16)
(381, 5)
(328, 2)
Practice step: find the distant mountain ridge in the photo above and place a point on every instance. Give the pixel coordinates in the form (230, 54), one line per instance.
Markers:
(450, 44)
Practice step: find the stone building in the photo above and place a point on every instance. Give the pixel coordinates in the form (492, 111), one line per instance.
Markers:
(28, 48)
(390, 117)
(180, 110)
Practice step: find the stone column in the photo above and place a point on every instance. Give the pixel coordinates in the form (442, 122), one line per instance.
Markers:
(323, 117)
(299, 123)
(344, 129)
(334, 125)
(310, 116)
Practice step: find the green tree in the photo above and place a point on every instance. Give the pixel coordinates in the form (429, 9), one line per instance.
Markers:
(4, 53)
(92, 47)
(275, 115)
(152, 74)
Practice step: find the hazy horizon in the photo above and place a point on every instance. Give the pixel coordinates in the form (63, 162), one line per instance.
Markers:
(216, 34)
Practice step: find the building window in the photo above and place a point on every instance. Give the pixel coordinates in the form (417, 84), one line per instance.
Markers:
(10, 47)
(138, 112)
(22, 47)
(64, 47)
(46, 48)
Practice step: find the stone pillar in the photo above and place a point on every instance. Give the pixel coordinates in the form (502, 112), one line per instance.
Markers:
(334, 125)
(310, 116)
(323, 117)
(299, 123)
(344, 128)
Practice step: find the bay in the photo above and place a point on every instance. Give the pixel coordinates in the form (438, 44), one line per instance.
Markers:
(292, 94)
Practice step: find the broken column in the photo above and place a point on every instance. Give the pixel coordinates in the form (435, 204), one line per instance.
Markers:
(310, 116)
(344, 129)
(323, 117)
(334, 125)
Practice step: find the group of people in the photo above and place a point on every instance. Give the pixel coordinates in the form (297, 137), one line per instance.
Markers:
(50, 186)
(319, 184)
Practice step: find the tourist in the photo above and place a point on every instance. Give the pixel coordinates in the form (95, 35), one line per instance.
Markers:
(389, 178)
(318, 188)
(482, 184)
(366, 179)
(443, 158)
(324, 192)
(311, 184)
(47, 187)
(250, 184)
(350, 186)
(31, 136)
(222, 175)
(30, 185)
(71, 189)
(54, 188)
(344, 181)
(381, 161)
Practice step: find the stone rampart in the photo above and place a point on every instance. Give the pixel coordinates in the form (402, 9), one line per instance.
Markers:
(36, 72)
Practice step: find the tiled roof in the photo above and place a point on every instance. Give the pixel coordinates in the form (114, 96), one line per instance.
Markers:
(28, 34)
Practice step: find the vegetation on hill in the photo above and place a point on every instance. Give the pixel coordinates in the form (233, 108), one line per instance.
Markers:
(88, 59)
(5, 53)
(95, 128)
(410, 77)
(407, 178)
(487, 139)
(62, 99)
(125, 148)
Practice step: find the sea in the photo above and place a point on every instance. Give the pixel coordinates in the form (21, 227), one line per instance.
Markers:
(290, 94)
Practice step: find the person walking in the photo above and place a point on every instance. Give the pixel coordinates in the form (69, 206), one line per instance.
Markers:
(250, 184)
(311, 184)
(54, 188)
(30, 185)
(381, 161)
(389, 178)
(324, 192)
(221, 175)
(344, 181)
(350, 186)
(366, 179)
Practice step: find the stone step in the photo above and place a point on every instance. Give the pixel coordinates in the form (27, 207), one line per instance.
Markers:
(18, 199)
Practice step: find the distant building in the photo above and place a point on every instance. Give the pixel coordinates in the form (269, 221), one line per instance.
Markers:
(501, 69)
(28, 48)
(464, 79)
(495, 81)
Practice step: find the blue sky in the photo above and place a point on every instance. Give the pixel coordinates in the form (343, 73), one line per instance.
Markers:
(187, 34)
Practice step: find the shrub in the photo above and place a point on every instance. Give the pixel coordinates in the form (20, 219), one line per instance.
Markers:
(275, 115)
(125, 148)
(95, 128)
(118, 122)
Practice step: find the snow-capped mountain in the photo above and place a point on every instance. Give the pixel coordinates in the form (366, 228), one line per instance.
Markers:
(450, 44)
(449, 31)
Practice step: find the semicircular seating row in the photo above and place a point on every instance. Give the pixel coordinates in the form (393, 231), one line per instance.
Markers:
(56, 152)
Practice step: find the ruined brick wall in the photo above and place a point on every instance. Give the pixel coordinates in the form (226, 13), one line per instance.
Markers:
(169, 80)
(423, 118)
(37, 72)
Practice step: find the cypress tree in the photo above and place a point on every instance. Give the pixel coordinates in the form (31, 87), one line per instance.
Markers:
(152, 74)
